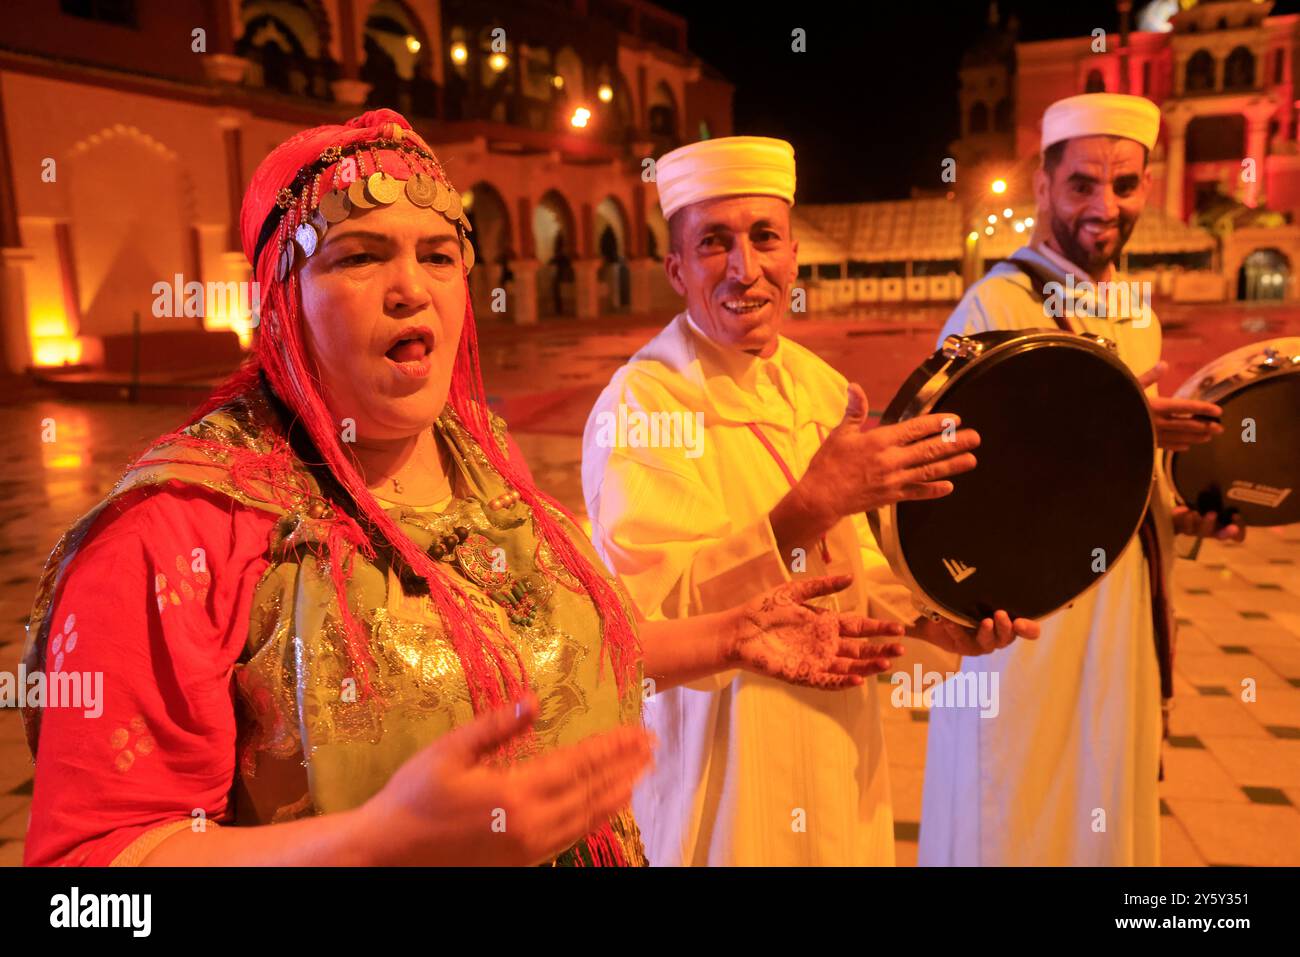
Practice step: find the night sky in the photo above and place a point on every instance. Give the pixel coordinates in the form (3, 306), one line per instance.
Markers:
(872, 105)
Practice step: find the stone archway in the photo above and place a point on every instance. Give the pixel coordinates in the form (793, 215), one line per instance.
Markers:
(663, 113)
(611, 229)
(555, 240)
(287, 43)
(1244, 242)
(656, 237)
(130, 232)
(491, 237)
(396, 54)
(1263, 276)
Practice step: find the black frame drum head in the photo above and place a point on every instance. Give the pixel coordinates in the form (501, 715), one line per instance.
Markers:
(1065, 469)
(1253, 481)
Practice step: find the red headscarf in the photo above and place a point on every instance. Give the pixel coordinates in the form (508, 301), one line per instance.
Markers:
(279, 354)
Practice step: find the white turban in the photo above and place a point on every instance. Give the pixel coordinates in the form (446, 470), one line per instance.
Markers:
(1102, 114)
(727, 166)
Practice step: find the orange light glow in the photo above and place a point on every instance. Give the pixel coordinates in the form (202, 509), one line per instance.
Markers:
(51, 351)
(69, 460)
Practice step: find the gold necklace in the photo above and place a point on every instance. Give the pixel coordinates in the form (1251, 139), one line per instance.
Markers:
(442, 463)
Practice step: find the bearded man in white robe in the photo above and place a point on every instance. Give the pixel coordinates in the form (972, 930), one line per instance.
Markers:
(1067, 770)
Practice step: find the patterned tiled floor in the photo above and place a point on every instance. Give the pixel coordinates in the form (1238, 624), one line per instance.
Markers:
(1232, 788)
(1231, 793)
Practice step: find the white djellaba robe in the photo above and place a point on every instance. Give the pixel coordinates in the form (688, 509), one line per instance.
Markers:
(749, 770)
(1075, 746)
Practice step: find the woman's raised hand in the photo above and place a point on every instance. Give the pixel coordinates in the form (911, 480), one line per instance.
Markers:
(450, 804)
(780, 636)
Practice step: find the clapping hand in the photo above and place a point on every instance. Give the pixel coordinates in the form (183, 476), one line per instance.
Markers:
(780, 636)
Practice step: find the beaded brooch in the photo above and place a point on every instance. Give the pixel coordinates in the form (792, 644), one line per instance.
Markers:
(478, 559)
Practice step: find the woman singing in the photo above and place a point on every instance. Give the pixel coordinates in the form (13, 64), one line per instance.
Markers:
(336, 621)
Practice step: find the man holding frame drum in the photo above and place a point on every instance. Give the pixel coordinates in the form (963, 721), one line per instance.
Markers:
(1067, 770)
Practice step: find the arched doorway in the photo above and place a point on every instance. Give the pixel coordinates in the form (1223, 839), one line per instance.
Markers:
(1239, 70)
(571, 88)
(496, 78)
(396, 53)
(662, 114)
(555, 237)
(625, 112)
(615, 106)
(611, 233)
(1263, 276)
(1199, 74)
(656, 237)
(287, 44)
(568, 66)
(493, 246)
(129, 231)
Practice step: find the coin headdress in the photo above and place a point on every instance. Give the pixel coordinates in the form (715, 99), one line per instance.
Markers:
(350, 177)
(305, 185)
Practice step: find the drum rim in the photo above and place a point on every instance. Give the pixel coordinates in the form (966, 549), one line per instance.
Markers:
(883, 522)
(1220, 379)
(1224, 386)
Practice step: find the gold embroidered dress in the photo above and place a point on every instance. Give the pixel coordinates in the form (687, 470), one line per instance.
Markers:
(309, 740)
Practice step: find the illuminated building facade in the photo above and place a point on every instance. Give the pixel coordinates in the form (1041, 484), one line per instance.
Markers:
(129, 130)
(1227, 162)
(1220, 218)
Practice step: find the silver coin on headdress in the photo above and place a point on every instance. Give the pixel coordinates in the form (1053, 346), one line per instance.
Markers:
(420, 189)
(306, 237)
(467, 253)
(454, 208)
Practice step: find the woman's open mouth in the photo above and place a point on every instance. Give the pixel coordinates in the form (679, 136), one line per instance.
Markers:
(411, 351)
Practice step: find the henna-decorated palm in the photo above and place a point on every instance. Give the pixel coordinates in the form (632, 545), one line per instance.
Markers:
(780, 636)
